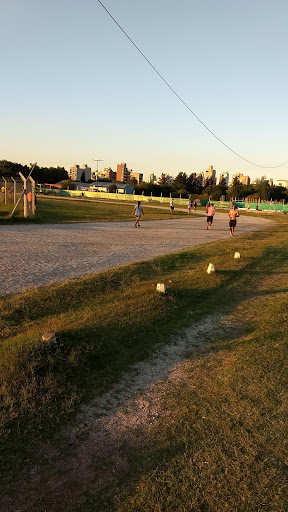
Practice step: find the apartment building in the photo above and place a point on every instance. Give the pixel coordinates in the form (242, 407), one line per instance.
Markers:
(244, 180)
(123, 174)
(210, 174)
(76, 172)
(137, 175)
(152, 178)
(225, 176)
(281, 183)
(107, 174)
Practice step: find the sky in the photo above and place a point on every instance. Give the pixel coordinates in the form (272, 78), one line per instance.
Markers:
(73, 88)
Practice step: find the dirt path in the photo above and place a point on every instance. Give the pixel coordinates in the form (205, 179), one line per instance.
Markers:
(35, 255)
(91, 449)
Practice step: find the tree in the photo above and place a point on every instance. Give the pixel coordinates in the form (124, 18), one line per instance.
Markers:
(222, 187)
(49, 174)
(133, 181)
(263, 189)
(8, 169)
(236, 189)
(182, 192)
(193, 184)
(163, 180)
(181, 180)
(277, 193)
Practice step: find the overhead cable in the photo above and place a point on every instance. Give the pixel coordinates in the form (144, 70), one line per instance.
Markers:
(184, 103)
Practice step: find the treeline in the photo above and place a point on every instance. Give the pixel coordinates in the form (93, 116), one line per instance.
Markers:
(183, 184)
(40, 174)
(186, 186)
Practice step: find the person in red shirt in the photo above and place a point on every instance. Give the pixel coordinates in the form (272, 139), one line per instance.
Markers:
(210, 211)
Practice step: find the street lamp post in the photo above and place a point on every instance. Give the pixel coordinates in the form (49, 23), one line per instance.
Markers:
(97, 160)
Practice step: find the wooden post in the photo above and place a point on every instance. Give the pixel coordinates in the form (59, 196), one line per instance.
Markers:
(33, 205)
(25, 206)
(16, 205)
(14, 181)
(5, 192)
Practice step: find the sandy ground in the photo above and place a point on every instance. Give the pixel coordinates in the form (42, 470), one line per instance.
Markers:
(34, 255)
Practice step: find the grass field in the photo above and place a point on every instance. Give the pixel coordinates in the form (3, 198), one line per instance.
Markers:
(221, 443)
(54, 210)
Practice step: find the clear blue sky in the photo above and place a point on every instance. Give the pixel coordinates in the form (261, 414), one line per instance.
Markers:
(73, 87)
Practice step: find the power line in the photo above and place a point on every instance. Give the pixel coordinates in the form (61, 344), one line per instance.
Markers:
(182, 101)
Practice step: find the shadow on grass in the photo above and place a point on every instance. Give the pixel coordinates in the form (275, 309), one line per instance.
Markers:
(125, 322)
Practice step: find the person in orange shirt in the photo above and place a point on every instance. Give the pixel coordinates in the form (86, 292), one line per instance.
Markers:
(233, 214)
(210, 212)
(29, 199)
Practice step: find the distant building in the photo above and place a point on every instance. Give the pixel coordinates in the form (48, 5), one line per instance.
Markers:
(199, 178)
(107, 173)
(210, 174)
(244, 180)
(281, 183)
(103, 186)
(137, 175)
(123, 174)
(169, 179)
(257, 181)
(152, 178)
(76, 172)
(225, 176)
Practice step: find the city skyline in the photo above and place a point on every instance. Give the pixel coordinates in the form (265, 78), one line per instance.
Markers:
(77, 90)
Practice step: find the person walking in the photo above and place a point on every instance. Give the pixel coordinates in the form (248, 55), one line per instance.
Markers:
(137, 211)
(233, 214)
(210, 211)
(171, 205)
(195, 205)
(29, 199)
(189, 206)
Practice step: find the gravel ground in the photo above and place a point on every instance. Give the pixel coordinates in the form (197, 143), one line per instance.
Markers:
(35, 255)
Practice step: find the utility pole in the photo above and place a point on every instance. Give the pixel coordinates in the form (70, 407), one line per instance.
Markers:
(97, 160)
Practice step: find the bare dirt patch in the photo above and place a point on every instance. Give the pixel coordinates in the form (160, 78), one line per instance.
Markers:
(91, 450)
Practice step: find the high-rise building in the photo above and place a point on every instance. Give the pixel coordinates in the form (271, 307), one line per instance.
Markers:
(152, 178)
(122, 173)
(76, 172)
(244, 180)
(225, 176)
(107, 174)
(137, 175)
(210, 174)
